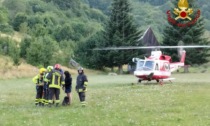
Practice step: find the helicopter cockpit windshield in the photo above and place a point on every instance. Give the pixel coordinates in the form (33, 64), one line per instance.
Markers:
(146, 65)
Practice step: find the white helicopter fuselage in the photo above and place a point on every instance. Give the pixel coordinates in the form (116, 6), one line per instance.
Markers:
(150, 69)
(157, 66)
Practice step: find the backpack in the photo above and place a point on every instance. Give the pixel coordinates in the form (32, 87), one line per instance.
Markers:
(65, 101)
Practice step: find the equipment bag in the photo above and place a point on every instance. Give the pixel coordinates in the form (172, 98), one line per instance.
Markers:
(65, 101)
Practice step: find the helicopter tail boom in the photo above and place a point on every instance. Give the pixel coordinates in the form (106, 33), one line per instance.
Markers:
(182, 59)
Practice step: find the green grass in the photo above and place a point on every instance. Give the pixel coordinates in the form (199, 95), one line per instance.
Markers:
(113, 101)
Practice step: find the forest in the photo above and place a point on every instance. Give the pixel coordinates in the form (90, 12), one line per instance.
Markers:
(54, 31)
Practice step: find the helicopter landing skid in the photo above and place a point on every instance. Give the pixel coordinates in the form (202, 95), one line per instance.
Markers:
(168, 79)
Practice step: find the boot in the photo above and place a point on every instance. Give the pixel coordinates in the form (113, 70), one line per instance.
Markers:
(49, 105)
(83, 103)
(37, 104)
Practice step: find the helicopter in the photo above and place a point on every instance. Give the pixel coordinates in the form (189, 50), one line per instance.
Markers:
(157, 66)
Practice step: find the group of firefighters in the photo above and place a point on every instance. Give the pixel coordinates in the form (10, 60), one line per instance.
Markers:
(50, 80)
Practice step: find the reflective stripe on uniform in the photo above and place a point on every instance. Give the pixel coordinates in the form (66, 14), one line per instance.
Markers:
(57, 101)
(50, 101)
(86, 83)
(36, 100)
(84, 103)
(54, 86)
(53, 79)
(80, 90)
(45, 102)
(59, 77)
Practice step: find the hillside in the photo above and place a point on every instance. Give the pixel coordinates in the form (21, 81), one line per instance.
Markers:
(24, 70)
(16, 36)
(153, 12)
(67, 25)
(8, 70)
(46, 22)
(146, 13)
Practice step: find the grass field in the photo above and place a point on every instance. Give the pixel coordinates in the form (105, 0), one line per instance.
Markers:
(113, 101)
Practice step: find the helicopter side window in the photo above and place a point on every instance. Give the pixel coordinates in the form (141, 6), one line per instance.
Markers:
(140, 64)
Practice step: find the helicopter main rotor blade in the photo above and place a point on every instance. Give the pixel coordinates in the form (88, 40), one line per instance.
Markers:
(151, 47)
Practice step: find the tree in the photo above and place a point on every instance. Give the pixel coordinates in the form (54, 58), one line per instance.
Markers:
(189, 35)
(64, 32)
(67, 4)
(39, 30)
(121, 31)
(41, 51)
(67, 48)
(23, 47)
(88, 57)
(14, 52)
(99, 4)
(10, 48)
(15, 6)
(19, 19)
(3, 15)
(155, 2)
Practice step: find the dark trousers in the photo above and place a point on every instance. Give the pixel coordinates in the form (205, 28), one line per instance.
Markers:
(46, 93)
(52, 92)
(81, 96)
(39, 94)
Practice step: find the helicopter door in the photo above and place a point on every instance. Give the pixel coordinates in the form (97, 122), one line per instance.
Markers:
(156, 67)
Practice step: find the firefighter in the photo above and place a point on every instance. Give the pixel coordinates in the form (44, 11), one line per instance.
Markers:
(55, 79)
(39, 81)
(81, 85)
(46, 85)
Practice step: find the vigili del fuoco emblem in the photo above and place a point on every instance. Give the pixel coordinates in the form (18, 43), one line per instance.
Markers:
(183, 12)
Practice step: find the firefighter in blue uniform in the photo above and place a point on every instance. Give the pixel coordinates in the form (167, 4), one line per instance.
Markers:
(81, 85)
(55, 79)
(39, 81)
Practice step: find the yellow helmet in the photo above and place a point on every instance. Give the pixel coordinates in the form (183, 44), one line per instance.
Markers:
(50, 68)
(42, 70)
